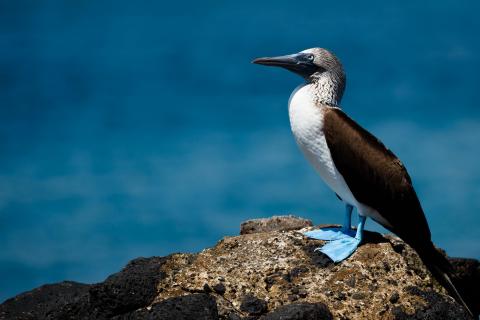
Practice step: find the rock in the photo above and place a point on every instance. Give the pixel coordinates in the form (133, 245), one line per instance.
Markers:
(219, 288)
(234, 316)
(125, 291)
(438, 307)
(133, 287)
(394, 297)
(300, 311)
(275, 223)
(351, 281)
(206, 288)
(42, 302)
(467, 276)
(261, 275)
(194, 306)
(252, 305)
(359, 295)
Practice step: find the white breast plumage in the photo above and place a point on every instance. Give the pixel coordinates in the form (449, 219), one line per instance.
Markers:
(306, 120)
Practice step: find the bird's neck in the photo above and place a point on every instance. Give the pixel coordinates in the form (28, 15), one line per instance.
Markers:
(328, 88)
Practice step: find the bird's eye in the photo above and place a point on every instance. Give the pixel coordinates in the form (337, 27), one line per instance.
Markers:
(310, 57)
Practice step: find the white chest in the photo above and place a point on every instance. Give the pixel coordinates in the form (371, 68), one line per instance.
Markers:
(306, 120)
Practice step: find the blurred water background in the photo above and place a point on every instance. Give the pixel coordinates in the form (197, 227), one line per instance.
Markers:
(140, 128)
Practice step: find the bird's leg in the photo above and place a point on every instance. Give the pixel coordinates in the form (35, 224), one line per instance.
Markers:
(341, 249)
(347, 222)
(335, 233)
(360, 227)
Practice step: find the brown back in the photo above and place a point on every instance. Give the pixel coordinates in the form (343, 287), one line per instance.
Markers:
(375, 176)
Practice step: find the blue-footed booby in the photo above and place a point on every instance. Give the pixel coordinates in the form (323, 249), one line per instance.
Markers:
(356, 165)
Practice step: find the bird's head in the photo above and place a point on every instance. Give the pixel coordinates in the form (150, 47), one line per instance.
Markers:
(317, 66)
(309, 64)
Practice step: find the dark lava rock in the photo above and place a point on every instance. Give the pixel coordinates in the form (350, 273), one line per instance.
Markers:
(394, 297)
(234, 316)
(275, 223)
(398, 247)
(467, 280)
(133, 287)
(253, 305)
(297, 271)
(219, 288)
(300, 311)
(40, 303)
(358, 296)
(386, 266)
(437, 308)
(206, 288)
(292, 297)
(340, 296)
(198, 306)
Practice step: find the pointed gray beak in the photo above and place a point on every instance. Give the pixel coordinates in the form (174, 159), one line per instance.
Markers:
(280, 61)
(299, 63)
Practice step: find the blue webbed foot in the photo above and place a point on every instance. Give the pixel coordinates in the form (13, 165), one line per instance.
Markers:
(340, 249)
(330, 234)
(342, 246)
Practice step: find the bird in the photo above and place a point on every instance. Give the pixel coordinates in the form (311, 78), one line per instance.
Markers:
(357, 166)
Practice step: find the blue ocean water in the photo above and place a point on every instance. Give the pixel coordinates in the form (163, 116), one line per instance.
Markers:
(140, 128)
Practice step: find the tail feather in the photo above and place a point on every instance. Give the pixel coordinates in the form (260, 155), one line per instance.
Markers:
(442, 270)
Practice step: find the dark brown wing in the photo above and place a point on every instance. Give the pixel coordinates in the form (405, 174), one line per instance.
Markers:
(375, 176)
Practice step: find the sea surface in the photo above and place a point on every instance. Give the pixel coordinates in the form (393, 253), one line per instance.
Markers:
(140, 128)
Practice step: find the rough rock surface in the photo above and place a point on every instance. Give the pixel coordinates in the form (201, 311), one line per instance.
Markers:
(275, 223)
(264, 274)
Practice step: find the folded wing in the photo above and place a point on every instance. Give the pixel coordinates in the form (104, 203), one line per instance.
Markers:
(375, 176)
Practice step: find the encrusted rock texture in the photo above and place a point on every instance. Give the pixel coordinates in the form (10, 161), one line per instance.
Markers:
(271, 271)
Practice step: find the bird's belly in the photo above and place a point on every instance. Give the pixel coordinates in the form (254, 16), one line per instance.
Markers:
(306, 121)
(317, 153)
